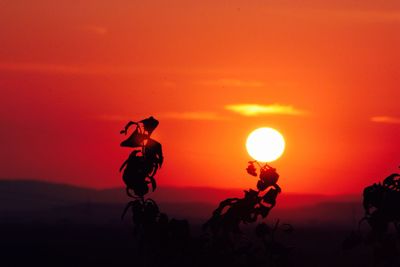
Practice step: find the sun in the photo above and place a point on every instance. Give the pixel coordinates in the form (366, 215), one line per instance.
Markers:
(265, 144)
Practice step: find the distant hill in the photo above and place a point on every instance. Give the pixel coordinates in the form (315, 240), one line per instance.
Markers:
(28, 200)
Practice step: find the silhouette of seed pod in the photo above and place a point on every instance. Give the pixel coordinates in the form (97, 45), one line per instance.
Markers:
(269, 176)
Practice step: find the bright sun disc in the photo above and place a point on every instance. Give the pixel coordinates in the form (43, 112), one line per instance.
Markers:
(265, 144)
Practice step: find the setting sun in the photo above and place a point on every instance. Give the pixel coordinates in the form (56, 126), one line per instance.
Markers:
(265, 144)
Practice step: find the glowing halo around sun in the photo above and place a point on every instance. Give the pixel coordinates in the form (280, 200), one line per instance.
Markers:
(265, 144)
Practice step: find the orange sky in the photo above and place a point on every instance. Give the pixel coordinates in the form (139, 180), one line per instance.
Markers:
(73, 72)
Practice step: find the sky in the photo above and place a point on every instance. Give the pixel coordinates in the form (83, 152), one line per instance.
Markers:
(324, 73)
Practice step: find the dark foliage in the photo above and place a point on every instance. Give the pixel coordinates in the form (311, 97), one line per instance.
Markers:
(159, 239)
(381, 204)
(224, 225)
(144, 161)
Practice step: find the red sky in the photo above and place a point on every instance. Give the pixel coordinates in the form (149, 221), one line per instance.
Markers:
(73, 72)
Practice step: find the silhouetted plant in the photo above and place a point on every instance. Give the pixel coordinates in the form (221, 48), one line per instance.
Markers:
(144, 161)
(156, 234)
(381, 204)
(224, 224)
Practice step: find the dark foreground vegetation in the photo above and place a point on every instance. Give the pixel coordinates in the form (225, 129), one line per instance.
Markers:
(66, 244)
(45, 224)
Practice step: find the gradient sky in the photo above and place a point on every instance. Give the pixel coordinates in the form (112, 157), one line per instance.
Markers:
(324, 73)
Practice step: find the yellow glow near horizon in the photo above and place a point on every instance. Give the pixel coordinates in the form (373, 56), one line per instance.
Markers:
(265, 144)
